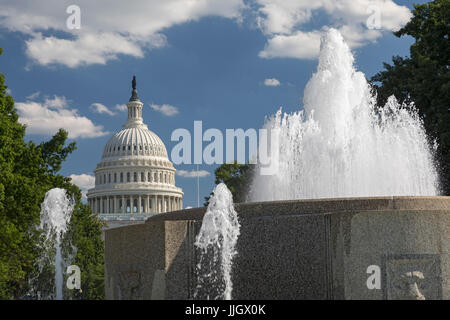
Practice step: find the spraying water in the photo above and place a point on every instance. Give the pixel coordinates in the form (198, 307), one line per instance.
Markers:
(341, 145)
(56, 211)
(217, 240)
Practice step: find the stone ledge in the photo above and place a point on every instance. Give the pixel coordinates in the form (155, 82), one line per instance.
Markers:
(315, 206)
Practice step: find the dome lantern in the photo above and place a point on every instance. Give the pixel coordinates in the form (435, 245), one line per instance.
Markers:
(134, 106)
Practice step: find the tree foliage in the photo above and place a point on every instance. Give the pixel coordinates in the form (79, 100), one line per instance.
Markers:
(424, 77)
(27, 172)
(237, 177)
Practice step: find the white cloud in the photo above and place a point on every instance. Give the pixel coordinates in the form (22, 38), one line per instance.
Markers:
(124, 28)
(165, 109)
(57, 102)
(283, 22)
(88, 48)
(298, 45)
(101, 108)
(33, 95)
(47, 117)
(272, 82)
(107, 29)
(193, 173)
(83, 181)
(121, 107)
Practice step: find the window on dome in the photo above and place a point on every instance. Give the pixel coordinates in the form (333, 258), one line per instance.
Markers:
(115, 177)
(128, 177)
(121, 177)
(135, 177)
(140, 147)
(104, 178)
(142, 177)
(129, 147)
(155, 177)
(123, 148)
(109, 177)
(146, 147)
(149, 178)
(134, 148)
(160, 177)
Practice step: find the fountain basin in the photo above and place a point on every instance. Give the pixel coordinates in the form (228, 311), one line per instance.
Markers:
(297, 249)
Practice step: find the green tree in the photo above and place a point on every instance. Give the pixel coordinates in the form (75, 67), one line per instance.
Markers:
(237, 177)
(424, 77)
(27, 172)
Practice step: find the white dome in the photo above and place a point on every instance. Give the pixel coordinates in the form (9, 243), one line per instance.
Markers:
(135, 141)
(135, 177)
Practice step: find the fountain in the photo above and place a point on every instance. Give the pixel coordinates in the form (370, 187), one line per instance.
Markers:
(216, 241)
(353, 201)
(342, 145)
(56, 211)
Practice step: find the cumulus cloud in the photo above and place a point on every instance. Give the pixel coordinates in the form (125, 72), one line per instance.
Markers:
(46, 118)
(272, 82)
(123, 28)
(107, 31)
(34, 95)
(83, 181)
(101, 109)
(87, 48)
(297, 45)
(193, 173)
(284, 24)
(57, 102)
(121, 107)
(165, 109)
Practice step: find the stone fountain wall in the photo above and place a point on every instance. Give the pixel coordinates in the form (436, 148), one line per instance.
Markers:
(302, 249)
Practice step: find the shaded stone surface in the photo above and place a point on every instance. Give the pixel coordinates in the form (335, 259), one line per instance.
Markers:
(302, 249)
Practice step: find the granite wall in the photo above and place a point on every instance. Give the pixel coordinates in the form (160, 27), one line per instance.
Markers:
(303, 249)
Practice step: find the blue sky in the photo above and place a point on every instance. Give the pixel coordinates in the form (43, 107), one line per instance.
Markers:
(209, 62)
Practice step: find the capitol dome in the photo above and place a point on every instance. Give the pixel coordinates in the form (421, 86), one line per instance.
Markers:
(135, 178)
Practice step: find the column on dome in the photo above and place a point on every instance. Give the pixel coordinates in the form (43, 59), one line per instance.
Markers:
(107, 204)
(147, 204)
(131, 204)
(139, 204)
(101, 205)
(124, 205)
(115, 205)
